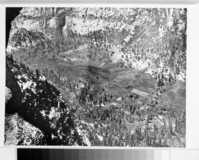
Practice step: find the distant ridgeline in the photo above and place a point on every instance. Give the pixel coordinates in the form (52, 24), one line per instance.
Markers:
(40, 104)
(103, 37)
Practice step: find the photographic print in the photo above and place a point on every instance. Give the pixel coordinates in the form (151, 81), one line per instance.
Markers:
(106, 76)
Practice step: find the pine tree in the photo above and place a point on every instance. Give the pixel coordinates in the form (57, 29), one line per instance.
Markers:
(37, 73)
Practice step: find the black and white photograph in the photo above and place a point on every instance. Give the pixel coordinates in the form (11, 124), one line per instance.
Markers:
(95, 76)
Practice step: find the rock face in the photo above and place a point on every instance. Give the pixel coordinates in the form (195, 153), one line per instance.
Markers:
(8, 94)
(15, 101)
(42, 106)
(20, 132)
(17, 130)
(117, 32)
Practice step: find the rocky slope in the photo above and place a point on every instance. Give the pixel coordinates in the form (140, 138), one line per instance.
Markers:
(102, 35)
(20, 132)
(121, 73)
(40, 104)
